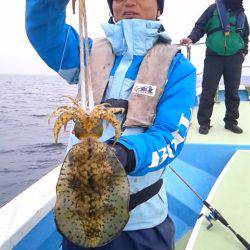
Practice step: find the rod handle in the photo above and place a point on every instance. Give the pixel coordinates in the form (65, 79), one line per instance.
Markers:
(243, 241)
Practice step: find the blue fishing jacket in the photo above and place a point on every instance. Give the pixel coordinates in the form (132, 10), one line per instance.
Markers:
(154, 148)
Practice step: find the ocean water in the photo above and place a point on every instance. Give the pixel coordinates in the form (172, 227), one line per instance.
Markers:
(27, 149)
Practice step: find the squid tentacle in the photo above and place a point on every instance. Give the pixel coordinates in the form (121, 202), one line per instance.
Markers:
(62, 120)
(60, 110)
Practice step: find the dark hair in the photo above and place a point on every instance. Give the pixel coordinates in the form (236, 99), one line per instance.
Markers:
(159, 2)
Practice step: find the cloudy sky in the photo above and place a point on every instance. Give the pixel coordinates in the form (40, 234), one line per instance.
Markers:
(18, 57)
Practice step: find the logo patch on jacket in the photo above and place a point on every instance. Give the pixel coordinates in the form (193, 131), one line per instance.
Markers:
(144, 89)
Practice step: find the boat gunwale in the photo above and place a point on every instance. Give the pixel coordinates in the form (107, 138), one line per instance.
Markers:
(204, 210)
(25, 211)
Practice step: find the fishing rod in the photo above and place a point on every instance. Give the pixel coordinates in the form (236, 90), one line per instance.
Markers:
(214, 213)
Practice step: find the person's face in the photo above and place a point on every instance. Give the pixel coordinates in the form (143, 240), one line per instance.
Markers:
(139, 9)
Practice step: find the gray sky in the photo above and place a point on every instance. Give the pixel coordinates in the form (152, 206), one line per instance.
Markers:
(18, 57)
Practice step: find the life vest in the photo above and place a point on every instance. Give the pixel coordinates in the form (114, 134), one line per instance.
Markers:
(218, 41)
(149, 84)
(147, 90)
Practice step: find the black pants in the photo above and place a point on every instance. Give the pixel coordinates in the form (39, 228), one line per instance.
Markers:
(214, 67)
(160, 237)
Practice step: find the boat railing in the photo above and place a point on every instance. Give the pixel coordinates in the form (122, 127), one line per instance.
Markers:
(189, 48)
(220, 87)
(189, 53)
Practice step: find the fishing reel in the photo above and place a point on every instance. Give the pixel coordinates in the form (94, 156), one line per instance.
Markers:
(209, 218)
(214, 215)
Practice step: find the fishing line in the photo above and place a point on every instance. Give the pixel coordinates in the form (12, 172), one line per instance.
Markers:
(86, 90)
(214, 213)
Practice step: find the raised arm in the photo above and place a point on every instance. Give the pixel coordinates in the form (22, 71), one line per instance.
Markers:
(54, 40)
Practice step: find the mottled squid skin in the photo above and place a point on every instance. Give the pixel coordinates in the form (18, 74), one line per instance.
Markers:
(92, 190)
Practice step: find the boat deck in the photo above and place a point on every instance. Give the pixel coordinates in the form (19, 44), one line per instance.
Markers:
(221, 140)
(219, 135)
(231, 197)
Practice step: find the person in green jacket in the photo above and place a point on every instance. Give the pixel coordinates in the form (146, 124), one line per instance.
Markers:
(227, 29)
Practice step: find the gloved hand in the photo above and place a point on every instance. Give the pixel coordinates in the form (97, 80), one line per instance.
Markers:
(118, 103)
(125, 156)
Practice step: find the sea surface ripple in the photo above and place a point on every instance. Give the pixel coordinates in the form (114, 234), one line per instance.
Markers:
(27, 149)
